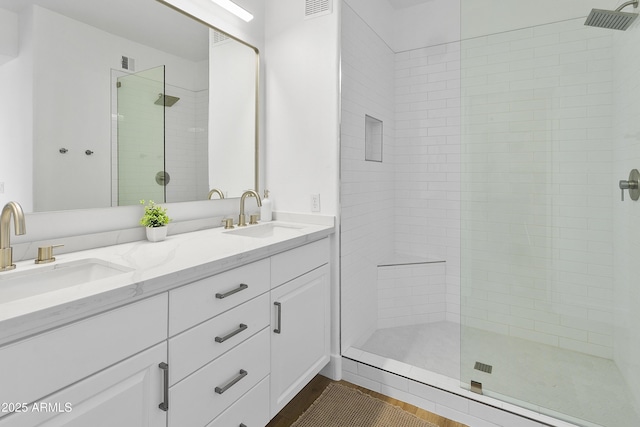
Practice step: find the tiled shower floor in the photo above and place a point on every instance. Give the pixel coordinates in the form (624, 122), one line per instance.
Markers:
(564, 381)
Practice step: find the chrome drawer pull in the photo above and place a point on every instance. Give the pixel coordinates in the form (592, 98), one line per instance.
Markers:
(232, 334)
(278, 328)
(231, 383)
(165, 405)
(242, 287)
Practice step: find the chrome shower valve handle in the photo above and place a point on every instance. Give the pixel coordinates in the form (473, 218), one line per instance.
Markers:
(632, 184)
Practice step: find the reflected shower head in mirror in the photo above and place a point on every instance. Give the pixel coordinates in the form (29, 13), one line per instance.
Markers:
(612, 19)
(166, 100)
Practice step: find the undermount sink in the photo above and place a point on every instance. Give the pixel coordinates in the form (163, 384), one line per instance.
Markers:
(16, 285)
(267, 229)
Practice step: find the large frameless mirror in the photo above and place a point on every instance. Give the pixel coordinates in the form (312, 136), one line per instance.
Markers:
(107, 103)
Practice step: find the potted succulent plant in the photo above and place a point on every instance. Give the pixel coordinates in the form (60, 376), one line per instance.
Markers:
(155, 220)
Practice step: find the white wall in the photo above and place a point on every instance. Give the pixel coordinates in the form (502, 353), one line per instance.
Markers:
(431, 23)
(232, 94)
(302, 107)
(8, 36)
(16, 136)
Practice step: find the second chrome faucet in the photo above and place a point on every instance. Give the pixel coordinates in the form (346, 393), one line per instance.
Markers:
(242, 220)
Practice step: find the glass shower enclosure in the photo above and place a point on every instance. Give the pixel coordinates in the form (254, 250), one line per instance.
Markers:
(547, 283)
(141, 137)
(492, 252)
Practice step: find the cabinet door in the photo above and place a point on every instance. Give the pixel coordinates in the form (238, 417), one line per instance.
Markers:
(300, 334)
(125, 395)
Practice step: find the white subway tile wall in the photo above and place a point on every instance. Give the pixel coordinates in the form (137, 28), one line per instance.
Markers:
(411, 294)
(367, 188)
(626, 297)
(536, 187)
(427, 178)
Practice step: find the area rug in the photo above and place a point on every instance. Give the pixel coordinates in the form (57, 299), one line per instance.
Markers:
(340, 406)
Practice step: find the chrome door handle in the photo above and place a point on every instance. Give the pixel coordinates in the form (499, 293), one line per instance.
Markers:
(231, 383)
(241, 328)
(242, 287)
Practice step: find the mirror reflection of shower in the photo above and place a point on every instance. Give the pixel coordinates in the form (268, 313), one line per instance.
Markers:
(166, 100)
(140, 137)
(165, 122)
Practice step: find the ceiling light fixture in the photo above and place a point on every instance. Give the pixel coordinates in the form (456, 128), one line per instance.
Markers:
(232, 7)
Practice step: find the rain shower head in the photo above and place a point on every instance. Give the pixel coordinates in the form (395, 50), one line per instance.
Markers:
(166, 100)
(612, 19)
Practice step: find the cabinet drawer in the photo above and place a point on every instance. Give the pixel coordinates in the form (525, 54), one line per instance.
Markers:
(252, 409)
(37, 366)
(206, 298)
(203, 395)
(288, 265)
(198, 346)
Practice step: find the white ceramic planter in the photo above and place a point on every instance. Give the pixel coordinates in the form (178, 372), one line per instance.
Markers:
(156, 234)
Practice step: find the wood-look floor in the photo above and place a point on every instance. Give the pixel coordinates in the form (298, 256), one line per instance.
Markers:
(314, 389)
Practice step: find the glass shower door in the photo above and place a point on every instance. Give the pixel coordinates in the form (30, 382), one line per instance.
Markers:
(141, 137)
(545, 138)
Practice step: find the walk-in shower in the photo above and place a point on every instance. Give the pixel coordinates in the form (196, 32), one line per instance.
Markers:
(489, 256)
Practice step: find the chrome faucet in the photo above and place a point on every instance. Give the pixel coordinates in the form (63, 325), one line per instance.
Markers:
(242, 222)
(216, 191)
(6, 252)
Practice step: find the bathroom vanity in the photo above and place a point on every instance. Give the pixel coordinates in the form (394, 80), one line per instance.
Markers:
(211, 328)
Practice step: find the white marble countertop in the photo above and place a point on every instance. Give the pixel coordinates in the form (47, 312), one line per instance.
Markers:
(156, 267)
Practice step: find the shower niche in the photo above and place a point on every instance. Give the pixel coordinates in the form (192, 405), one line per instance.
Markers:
(372, 139)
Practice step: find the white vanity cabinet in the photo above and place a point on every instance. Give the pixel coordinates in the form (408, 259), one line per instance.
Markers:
(274, 327)
(230, 349)
(300, 339)
(112, 361)
(220, 350)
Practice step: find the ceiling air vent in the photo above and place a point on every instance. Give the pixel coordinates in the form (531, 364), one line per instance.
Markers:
(218, 37)
(128, 63)
(315, 8)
